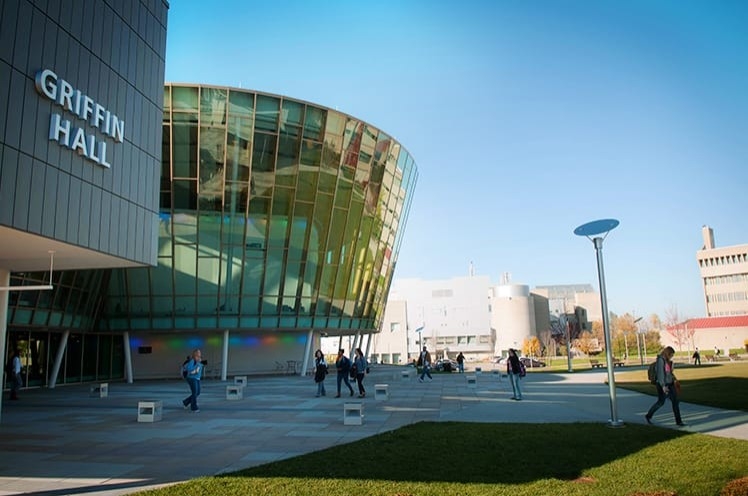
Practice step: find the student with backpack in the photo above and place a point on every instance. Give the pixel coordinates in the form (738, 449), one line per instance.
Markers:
(514, 370)
(193, 372)
(661, 375)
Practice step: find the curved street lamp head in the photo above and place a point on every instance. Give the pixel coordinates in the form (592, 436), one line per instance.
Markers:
(596, 227)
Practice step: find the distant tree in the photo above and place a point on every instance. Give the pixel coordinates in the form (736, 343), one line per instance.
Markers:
(653, 322)
(549, 344)
(681, 332)
(531, 346)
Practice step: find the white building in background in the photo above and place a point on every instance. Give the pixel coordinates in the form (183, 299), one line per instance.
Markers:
(516, 315)
(448, 316)
(724, 276)
(465, 315)
(564, 298)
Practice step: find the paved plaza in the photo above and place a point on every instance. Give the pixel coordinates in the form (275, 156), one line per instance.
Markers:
(68, 441)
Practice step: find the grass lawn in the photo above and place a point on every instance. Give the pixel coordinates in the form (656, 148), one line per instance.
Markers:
(470, 459)
(723, 385)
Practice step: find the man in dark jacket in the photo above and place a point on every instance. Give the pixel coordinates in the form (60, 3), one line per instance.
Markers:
(343, 364)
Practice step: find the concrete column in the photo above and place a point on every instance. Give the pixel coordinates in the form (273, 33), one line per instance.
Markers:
(58, 360)
(4, 281)
(128, 357)
(307, 352)
(368, 346)
(225, 355)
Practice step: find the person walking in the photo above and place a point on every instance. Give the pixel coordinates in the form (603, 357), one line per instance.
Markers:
(194, 372)
(461, 363)
(343, 364)
(425, 360)
(696, 357)
(14, 377)
(320, 372)
(361, 366)
(667, 386)
(514, 371)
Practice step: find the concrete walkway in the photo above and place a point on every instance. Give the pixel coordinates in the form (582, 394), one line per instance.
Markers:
(63, 441)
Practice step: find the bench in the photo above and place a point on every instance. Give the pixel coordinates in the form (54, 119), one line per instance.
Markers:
(709, 358)
(596, 364)
(618, 363)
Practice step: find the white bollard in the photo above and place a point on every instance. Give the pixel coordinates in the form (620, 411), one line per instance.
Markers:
(240, 380)
(235, 392)
(381, 392)
(353, 413)
(472, 381)
(149, 411)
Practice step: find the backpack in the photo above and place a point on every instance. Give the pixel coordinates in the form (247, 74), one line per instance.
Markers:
(184, 368)
(652, 372)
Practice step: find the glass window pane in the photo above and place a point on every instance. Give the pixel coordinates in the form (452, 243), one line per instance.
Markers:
(241, 103)
(314, 122)
(213, 106)
(238, 141)
(311, 153)
(292, 113)
(185, 195)
(184, 98)
(307, 186)
(263, 154)
(335, 123)
(184, 146)
(207, 276)
(185, 270)
(267, 113)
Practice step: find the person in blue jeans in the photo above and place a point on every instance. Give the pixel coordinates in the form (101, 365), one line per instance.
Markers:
(425, 361)
(667, 386)
(194, 370)
(513, 370)
(320, 372)
(343, 364)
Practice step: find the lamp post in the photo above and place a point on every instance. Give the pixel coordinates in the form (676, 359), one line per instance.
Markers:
(638, 346)
(591, 231)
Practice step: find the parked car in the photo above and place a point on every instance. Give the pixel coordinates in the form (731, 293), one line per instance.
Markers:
(446, 365)
(531, 362)
(527, 361)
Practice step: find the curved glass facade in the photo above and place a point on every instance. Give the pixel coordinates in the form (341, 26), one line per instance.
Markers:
(276, 214)
(277, 217)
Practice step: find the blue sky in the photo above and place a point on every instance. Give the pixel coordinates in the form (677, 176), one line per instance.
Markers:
(526, 119)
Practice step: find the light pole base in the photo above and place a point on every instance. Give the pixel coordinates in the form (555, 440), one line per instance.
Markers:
(614, 424)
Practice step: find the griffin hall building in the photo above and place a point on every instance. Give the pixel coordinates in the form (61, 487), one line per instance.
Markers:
(140, 220)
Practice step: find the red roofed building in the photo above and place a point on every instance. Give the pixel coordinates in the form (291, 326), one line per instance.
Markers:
(708, 333)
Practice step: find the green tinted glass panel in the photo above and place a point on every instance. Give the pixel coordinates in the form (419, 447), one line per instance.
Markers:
(292, 113)
(241, 103)
(184, 145)
(314, 122)
(184, 98)
(263, 154)
(213, 103)
(266, 118)
(307, 185)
